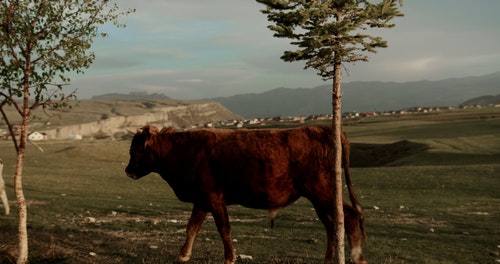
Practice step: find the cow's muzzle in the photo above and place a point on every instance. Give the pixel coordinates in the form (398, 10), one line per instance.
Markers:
(133, 176)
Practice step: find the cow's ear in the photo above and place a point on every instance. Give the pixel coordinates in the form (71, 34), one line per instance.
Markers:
(149, 133)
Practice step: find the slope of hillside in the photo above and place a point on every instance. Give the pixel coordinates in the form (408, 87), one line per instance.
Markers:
(115, 117)
(485, 100)
(362, 97)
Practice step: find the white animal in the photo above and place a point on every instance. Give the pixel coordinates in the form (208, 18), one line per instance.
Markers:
(3, 194)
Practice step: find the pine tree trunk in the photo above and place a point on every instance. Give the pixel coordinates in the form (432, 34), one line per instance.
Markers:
(339, 256)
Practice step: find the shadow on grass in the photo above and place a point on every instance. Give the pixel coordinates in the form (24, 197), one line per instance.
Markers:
(376, 155)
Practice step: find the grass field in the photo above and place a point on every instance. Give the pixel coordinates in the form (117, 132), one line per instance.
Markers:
(429, 185)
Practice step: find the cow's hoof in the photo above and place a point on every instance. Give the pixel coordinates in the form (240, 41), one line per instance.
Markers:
(230, 260)
(183, 258)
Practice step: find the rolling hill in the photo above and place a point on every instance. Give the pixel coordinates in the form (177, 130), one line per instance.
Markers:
(484, 100)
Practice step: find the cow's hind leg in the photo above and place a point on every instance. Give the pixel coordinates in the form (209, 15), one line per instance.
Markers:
(354, 229)
(193, 227)
(352, 225)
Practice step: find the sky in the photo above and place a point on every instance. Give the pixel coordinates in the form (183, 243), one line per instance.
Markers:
(189, 49)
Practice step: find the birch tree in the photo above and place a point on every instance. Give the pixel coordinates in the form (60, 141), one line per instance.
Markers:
(327, 34)
(41, 43)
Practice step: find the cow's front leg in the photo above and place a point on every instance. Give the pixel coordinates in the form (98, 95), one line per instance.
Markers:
(221, 217)
(192, 229)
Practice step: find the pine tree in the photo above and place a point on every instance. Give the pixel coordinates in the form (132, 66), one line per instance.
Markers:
(329, 33)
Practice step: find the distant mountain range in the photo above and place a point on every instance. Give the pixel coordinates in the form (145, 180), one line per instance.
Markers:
(131, 96)
(362, 97)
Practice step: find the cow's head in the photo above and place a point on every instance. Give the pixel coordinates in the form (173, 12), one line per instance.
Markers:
(144, 152)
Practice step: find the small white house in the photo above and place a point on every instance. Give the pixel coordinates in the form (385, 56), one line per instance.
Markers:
(37, 136)
(75, 136)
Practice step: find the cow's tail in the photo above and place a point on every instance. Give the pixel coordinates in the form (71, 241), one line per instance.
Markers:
(346, 151)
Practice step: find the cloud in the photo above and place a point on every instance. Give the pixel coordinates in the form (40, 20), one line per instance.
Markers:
(112, 62)
(190, 81)
(423, 64)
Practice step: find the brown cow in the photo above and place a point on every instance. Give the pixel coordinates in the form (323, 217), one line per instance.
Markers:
(262, 169)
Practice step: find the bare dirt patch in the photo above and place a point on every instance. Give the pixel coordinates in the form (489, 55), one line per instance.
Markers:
(413, 219)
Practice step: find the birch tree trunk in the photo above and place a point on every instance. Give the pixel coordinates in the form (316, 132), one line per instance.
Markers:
(22, 208)
(339, 256)
(18, 177)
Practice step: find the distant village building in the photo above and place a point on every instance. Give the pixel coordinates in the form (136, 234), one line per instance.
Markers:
(299, 120)
(254, 121)
(4, 134)
(351, 114)
(75, 136)
(37, 136)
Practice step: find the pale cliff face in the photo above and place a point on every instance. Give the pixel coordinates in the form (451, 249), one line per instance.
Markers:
(167, 116)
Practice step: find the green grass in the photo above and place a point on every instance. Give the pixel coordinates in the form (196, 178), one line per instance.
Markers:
(430, 199)
(432, 212)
